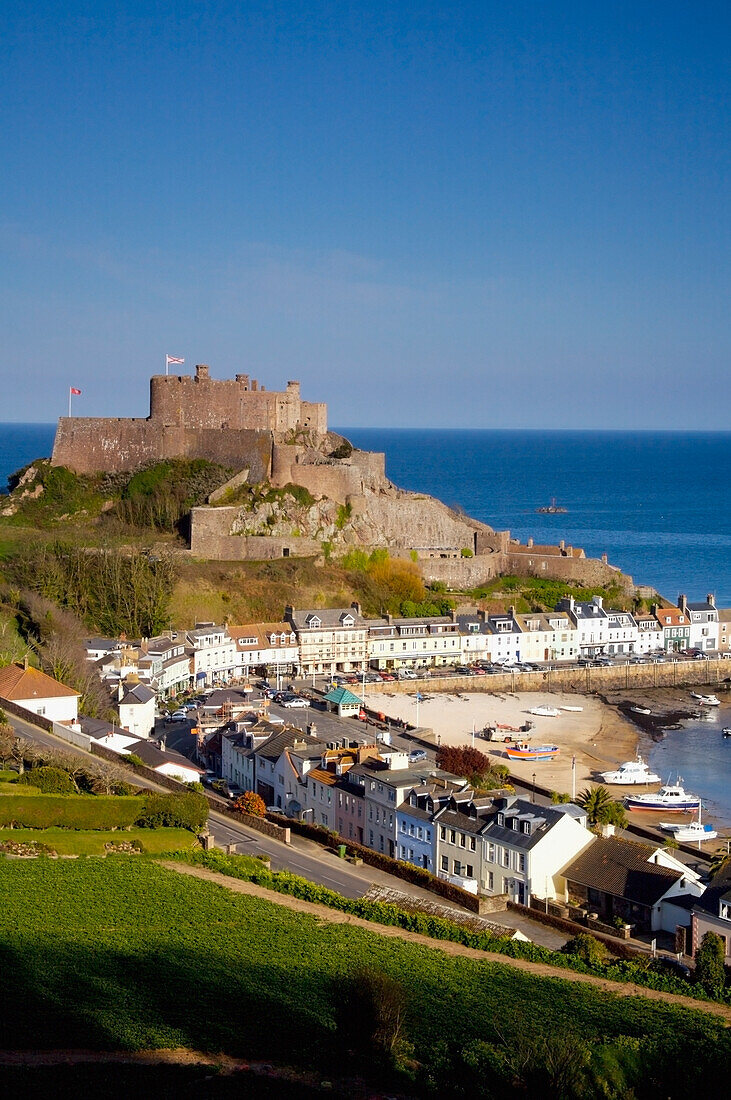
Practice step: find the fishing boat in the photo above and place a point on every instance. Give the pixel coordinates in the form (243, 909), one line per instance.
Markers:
(672, 798)
(520, 750)
(551, 509)
(640, 710)
(630, 774)
(545, 712)
(726, 731)
(705, 700)
(693, 830)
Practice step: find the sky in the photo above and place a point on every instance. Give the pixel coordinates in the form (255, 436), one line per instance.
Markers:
(447, 215)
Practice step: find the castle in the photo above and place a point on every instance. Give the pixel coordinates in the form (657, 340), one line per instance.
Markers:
(277, 438)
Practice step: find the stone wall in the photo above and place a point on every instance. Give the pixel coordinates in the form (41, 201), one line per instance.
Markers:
(465, 573)
(210, 538)
(336, 479)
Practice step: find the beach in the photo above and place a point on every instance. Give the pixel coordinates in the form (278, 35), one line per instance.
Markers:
(597, 736)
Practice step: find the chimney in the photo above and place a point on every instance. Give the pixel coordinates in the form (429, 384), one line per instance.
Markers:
(481, 616)
(454, 615)
(120, 691)
(562, 544)
(683, 603)
(25, 662)
(711, 600)
(356, 607)
(597, 601)
(202, 372)
(312, 729)
(530, 541)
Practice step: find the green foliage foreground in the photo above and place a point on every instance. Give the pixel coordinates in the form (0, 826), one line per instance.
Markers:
(126, 954)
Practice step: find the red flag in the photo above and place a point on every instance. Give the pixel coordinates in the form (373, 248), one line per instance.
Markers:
(77, 393)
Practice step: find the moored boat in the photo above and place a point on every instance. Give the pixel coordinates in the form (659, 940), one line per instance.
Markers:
(520, 750)
(571, 708)
(672, 798)
(545, 712)
(705, 700)
(693, 830)
(640, 710)
(726, 731)
(630, 774)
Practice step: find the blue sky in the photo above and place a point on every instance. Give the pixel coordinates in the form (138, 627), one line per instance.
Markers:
(474, 214)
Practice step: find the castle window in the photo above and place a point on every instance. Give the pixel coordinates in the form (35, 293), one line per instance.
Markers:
(285, 551)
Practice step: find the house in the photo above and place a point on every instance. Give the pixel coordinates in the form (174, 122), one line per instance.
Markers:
(724, 630)
(703, 619)
(415, 821)
(622, 632)
(416, 642)
(30, 688)
(330, 639)
(649, 632)
(591, 621)
(548, 636)
(457, 841)
(265, 649)
(711, 912)
(136, 707)
(525, 846)
(213, 654)
(505, 637)
(153, 754)
(634, 882)
(170, 662)
(675, 627)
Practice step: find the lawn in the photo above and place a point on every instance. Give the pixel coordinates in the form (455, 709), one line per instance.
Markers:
(79, 842)
(123, 953)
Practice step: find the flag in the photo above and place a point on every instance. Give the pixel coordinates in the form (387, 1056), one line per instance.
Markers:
(75, 392)
(172, 359)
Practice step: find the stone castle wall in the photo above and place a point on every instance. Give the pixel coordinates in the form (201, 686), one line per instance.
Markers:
(465, 573)
(337, 479)
(234, 422)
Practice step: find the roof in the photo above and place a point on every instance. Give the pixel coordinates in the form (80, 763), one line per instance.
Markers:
(621, 868)
(671, 616)
(154, 757)
(718, 889)
(260, 636)
(330, 617)
(139, 694)
(342, 697)
(18, 683)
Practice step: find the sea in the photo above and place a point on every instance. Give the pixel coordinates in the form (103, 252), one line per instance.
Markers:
(657, 503)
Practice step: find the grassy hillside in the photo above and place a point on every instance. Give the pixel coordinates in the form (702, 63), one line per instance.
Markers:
(126, 955)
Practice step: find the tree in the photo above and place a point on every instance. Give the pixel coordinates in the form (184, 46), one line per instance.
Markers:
(587, 948)
(601, 808)
(7, 738)
(250, 803)
(709, 969)
(372, 1013)
(719, 860)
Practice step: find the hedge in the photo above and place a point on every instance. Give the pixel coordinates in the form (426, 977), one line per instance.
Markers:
(151, 810)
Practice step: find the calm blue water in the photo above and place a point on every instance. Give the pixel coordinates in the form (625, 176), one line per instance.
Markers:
(702, 757)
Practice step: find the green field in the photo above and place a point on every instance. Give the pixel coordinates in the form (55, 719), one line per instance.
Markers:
(123, 953)
(73, 842)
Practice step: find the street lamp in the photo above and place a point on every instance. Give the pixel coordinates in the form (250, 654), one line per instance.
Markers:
(533, 797)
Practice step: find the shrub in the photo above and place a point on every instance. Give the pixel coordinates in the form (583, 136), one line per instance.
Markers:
(709, 969)
(587, 948)
(251, 803)
(48, 780)
(68, 811)
(133, 758)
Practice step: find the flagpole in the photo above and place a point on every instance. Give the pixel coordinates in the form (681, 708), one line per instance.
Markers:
(69, 402)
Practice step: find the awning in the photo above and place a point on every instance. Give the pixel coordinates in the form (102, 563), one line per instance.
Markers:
(200, 675)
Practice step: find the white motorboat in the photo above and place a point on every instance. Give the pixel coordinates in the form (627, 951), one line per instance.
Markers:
(672, 797)
(693, 830)
(640, 710)
(631, 773)
(545, 712)
(572, 708)
(705, 700)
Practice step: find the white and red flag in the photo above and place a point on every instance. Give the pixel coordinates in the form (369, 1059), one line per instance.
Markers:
(74, 391)
(170, 359)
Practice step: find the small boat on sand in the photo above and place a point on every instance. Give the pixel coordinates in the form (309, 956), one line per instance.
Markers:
(572, 708)
(545, 712)
(640, 710)
(705, 700)
(694, 830)
(520, 750)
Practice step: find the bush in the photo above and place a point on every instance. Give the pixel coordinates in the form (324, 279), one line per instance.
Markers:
(251, 803)
(587, 948)
(187, 810)
(709, 969)
(134, 759)
(48, 780)
(69, 811)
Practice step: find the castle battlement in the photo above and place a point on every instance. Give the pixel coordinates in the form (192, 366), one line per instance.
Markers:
(233, 421)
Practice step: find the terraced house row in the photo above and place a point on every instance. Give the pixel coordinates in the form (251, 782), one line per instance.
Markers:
(321, 641)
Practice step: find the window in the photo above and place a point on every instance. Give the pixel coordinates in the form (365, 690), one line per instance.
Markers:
(442, 833)
(506, 857)
(490, 880)
(452, 836)
(472, 844)
(501, 819)
(490, 852)
(445, 863)
(457, 867)
(521, 862)
(462, 840)
(470, 870)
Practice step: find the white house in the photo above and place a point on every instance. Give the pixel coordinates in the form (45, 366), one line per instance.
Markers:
(548, 636)
(591, 622)
(214, 657)
(622, 632)
(703, 618)
(525, 847)
(37, 692)
(136, 708)
(269, 649)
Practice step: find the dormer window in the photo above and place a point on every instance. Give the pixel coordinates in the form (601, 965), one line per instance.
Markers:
(525, 828)
(314, 621)
(513, 822)
(501, 819)
(724, 910)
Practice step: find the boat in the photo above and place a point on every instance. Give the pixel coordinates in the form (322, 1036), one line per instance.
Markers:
(545, 712)
(630, 774)
(572, 708)
(640, 710)
(551, 509)
(693, 830)
(726, 731)
(672, 798)
(706, 700)
(520, 750)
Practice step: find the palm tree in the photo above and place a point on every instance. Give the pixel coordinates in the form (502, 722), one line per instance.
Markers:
(601, 808)
(719, 860)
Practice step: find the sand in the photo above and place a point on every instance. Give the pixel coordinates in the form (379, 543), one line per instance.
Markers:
(597, 736)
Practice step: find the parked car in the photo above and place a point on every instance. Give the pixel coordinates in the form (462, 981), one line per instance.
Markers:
(295, 702)
(179, 716)
(417, 755)
(387, 676)
(407, 674)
